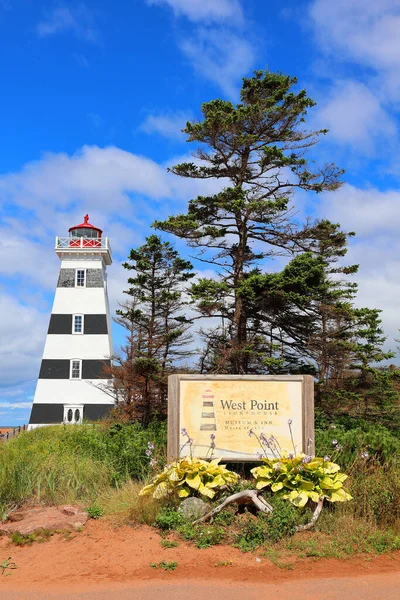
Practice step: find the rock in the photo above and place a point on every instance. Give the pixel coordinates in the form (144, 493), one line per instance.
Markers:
(193, 508)
(15, 517)
(52, 518)
(69, 510)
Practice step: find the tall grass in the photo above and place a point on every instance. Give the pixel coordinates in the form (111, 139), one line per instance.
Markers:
(61, 464)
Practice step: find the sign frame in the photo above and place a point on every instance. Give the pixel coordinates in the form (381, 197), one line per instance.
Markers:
(174, 425)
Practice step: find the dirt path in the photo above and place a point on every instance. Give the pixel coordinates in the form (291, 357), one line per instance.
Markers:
(102, 563)
(371, 587)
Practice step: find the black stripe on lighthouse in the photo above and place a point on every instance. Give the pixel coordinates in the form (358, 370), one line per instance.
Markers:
(54, 413)
(92, 324)
(60, 368)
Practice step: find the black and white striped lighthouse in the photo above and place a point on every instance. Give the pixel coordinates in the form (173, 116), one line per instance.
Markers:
(78, 344)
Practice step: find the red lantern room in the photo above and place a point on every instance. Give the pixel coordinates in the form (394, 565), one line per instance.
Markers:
(86, 230)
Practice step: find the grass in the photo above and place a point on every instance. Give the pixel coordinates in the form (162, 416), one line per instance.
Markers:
(27, 540)
(168, 544)
(171, 566)
(56, 465)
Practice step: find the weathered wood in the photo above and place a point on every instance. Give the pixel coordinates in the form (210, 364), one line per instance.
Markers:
(308, 414)
(314, 518)
(245, 497)
(173, 418)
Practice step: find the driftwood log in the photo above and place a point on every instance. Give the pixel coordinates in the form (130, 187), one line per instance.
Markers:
(253, 497)
(314, 518)
(245, 497)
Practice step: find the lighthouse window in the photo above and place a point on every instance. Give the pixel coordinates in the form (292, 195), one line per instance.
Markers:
(80, 278)
(76, 368)
(77, 326)
(69, 415)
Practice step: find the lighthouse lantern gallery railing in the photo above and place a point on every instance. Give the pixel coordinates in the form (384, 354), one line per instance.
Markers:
(82, 242)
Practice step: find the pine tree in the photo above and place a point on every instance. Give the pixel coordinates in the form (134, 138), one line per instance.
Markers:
(258, 150)
(157, 326)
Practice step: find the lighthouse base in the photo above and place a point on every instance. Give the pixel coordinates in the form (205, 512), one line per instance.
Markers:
(57, 414)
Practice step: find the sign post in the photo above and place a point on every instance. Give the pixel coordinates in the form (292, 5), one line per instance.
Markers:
(229, 406)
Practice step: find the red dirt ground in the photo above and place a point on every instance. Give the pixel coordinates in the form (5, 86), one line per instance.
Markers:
(103, 556)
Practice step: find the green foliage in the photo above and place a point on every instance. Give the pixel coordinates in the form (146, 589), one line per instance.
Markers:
(271, 527)
(27, 540)
(190, 477)
(169, 518)
(94, 511)
(7, 565)
(377, 490)
(226, 517)
(168, 544)
(353, 437)
(302, 478)
(369, 394)
(157, 328)
(56, 465)
(203, 535)
(165, 566)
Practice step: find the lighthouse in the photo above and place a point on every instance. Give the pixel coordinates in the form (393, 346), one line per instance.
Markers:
(78, 345)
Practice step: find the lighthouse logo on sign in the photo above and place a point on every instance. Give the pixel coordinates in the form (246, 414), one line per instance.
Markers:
(78, 343)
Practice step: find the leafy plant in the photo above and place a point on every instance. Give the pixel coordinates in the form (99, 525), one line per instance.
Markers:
(169, 518)
(190, 477)
(302, 478)
(94, 511)
(6, 564)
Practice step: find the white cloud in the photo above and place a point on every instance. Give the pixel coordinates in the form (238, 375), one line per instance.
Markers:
(220, 56)
(368, 212)
(365, 32)
(79, 21)
(354, 116)
(23, 331)
(168, 124)
(16, 405)
(204, 10)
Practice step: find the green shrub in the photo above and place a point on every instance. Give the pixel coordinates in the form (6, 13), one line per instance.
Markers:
(354, 437)
(169, 518)
(271, 527)
(94, 511)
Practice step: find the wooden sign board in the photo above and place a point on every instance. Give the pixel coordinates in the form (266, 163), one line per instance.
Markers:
(229, 406)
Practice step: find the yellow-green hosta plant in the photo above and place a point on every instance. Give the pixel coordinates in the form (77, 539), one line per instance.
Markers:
(302, 478)
(190, 476)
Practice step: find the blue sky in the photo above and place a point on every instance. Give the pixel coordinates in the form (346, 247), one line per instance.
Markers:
(94, 95)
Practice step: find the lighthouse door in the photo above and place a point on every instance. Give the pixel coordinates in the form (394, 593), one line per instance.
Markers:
(73, 414)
